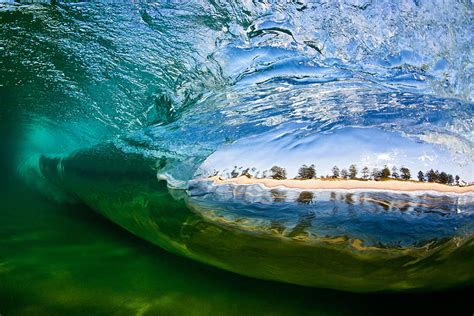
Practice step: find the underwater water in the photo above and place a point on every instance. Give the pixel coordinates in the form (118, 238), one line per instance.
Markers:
(114, 112)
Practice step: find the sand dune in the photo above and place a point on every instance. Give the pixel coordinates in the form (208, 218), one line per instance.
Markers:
(339, 184)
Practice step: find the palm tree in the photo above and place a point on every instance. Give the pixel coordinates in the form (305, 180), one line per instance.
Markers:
(457, 179)
(421, 176)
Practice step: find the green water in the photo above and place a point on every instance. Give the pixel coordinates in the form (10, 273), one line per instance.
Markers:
(124, 188)
(58, 259)
(69, 260)
(59, 91)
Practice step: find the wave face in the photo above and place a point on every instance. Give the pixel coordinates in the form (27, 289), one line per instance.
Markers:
(109, 98)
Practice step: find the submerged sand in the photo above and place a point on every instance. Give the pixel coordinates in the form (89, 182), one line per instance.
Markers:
(340, 184)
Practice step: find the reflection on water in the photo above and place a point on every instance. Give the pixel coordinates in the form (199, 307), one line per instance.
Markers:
(305, 197)
(278, 195)
(304, 221)
(66, 259)
(355, 214)
(242, 229)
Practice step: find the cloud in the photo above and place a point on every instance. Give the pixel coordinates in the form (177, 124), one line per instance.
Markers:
(385, 157)
(425, 158)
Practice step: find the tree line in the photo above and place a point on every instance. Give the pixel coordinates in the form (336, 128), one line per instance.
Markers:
(309, 172)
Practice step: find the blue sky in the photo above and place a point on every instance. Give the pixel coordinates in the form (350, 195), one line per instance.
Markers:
(291, 145)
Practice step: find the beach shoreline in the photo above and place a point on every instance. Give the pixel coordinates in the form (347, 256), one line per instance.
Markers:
(346, 184)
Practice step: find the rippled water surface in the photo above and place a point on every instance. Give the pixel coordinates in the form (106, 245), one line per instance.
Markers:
(117, 108)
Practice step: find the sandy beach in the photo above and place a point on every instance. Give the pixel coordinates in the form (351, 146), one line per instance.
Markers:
(339, 184)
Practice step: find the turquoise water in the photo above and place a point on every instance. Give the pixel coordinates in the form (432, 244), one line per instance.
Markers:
(110, 109)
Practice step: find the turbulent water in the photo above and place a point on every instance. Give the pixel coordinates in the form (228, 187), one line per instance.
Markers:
(121, 105)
